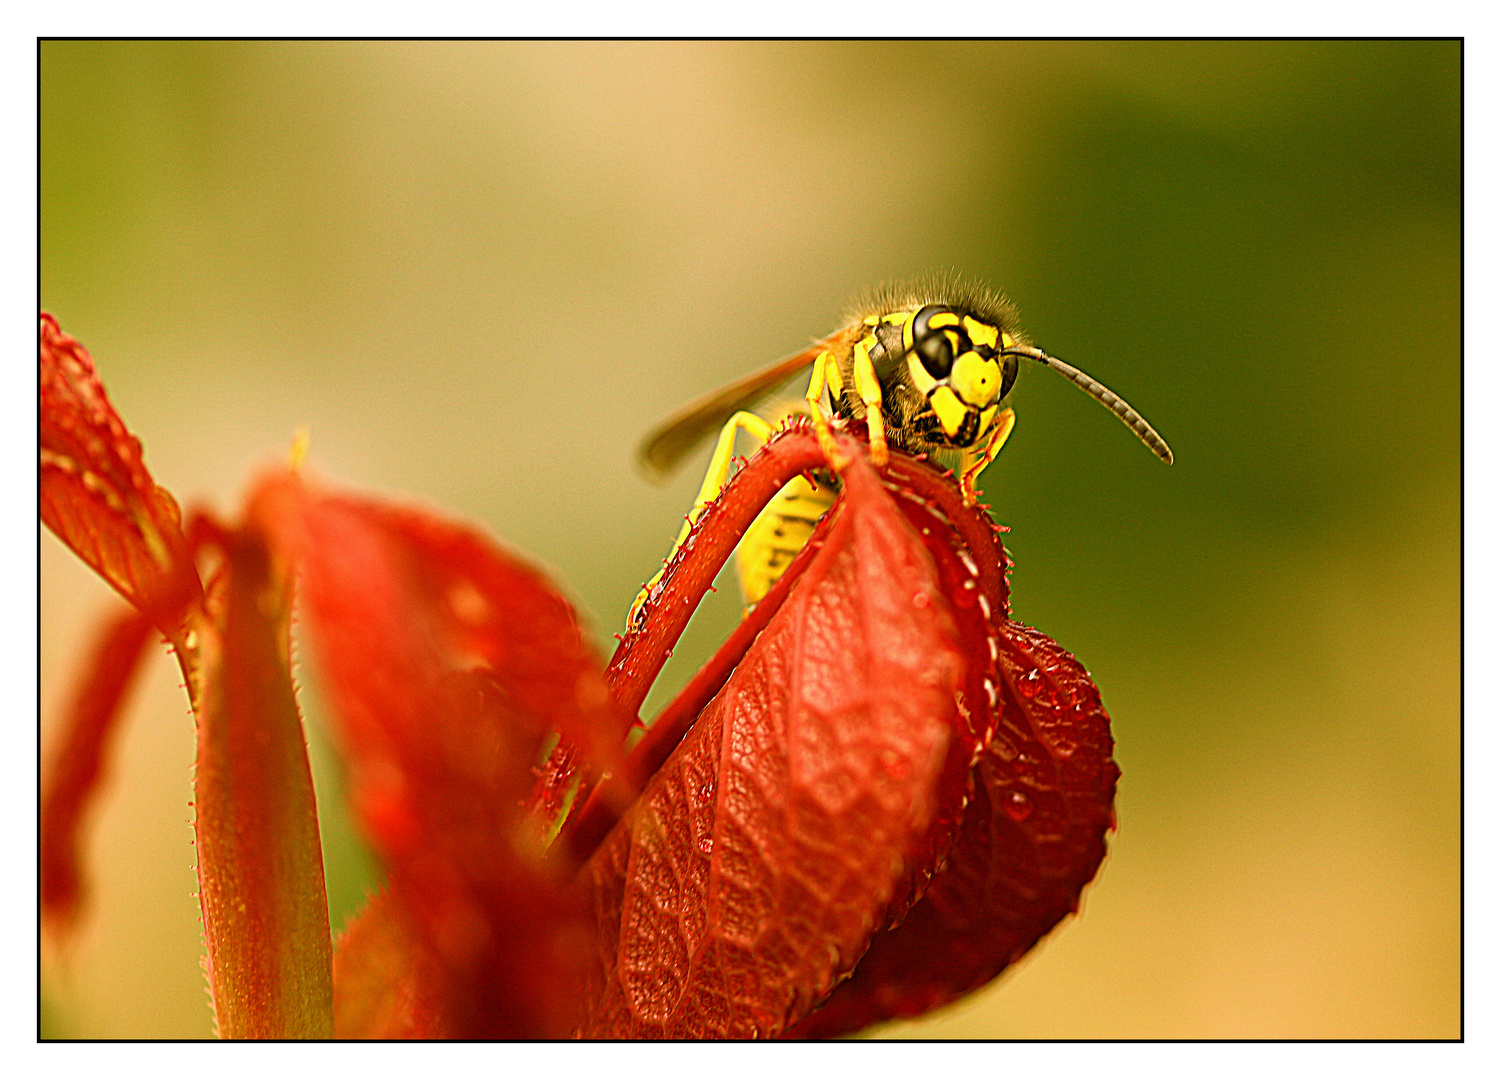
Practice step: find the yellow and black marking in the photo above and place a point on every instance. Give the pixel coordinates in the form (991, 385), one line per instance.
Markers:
(778, 534)
(926, 368)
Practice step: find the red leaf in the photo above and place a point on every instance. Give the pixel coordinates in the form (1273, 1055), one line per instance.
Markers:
(260, 863)
(79, 763)
(971, 567)
(447, 662)
(762, 857)
(1032, 837)
(95, 492)
(383, 988)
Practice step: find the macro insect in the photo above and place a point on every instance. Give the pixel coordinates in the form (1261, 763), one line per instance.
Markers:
(925, 367)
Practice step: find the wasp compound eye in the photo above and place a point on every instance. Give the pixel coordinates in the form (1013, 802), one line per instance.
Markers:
(931, 344)
(1009, 365)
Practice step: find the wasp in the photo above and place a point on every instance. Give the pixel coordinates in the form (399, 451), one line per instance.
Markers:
(926, 367)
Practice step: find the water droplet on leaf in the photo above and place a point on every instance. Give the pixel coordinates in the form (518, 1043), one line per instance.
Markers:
(1018, 806)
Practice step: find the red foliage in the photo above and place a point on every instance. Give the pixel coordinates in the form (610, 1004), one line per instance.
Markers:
(95, 492)
(878, 794)
(260, 866)
(1033, 836)
(96, 495)
(448, 662)
(752, 872)
(79, 763)
(1020, 808)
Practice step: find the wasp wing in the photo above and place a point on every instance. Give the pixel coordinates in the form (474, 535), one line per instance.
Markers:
(674, 438)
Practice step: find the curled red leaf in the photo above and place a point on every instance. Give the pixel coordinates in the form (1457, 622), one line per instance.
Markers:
(79, 763)
(95, 492)
(1030, 875)
(763, 856)
(1032, 837)
(447, 662)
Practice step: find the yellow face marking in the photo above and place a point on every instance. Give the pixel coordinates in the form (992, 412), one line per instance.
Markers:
(865, 374)
(950, 410)
(1007, 341)
(920, 377)
(975, 379)
(942, 319)
(981, 333)
(985, 419)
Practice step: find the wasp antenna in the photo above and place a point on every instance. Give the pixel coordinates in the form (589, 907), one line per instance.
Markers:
(1104, 395)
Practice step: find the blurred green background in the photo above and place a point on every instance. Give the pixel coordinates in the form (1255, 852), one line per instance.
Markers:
(479, 272)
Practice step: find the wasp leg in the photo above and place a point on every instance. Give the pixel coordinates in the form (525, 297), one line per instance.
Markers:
(970, 469)
(759, 431)
(825, 370)
(869, 389)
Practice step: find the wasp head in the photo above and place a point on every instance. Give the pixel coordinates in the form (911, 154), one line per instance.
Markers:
(958, 363)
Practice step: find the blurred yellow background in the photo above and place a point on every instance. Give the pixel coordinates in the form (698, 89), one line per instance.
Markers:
(479, 272)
